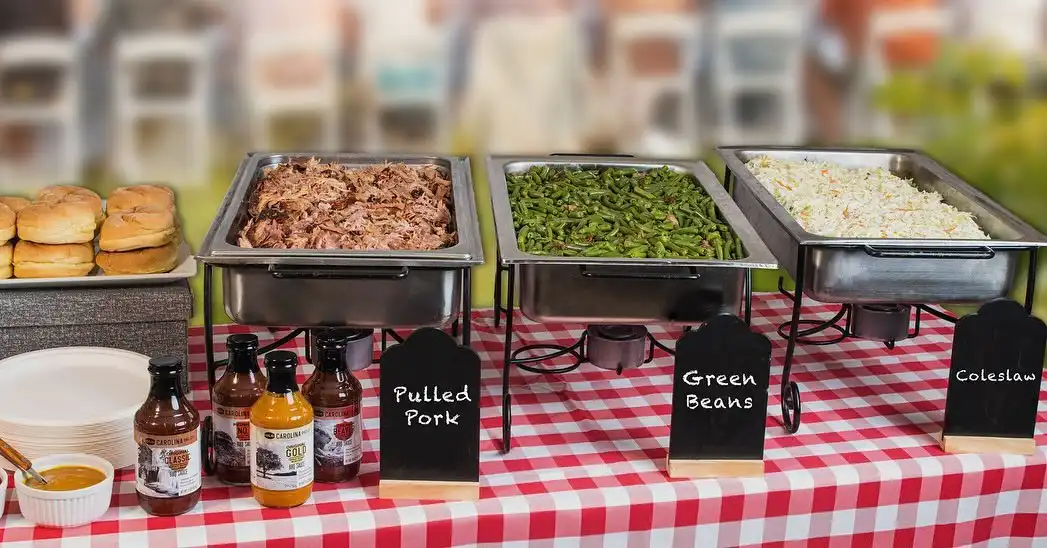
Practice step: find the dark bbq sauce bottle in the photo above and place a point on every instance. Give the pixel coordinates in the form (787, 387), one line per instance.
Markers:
(239, 388)
(167, 431)
(335, 395)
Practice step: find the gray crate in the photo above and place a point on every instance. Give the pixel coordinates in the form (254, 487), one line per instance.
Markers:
(150, 320)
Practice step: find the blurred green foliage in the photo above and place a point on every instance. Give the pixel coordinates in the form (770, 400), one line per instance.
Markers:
(982, 113)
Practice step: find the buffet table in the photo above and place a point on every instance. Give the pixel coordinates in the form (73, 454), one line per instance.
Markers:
(587, 466)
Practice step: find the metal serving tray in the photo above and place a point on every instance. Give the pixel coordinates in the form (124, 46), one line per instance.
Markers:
(623, 290)
(863, 270)
(366, 288)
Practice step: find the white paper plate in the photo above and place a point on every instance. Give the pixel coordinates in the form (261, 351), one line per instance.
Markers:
(186, 269)
(73, 400)
(72, 387)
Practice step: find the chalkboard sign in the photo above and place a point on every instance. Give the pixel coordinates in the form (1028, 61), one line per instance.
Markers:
(430, 419)
(719, 401)
(994, 380)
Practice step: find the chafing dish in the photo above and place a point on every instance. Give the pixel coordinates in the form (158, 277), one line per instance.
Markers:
(621, 290)
(365, 289)
(861, 270)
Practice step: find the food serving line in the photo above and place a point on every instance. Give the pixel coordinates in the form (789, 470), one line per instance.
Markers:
(881, 281)
(587, 463)
(596, 434)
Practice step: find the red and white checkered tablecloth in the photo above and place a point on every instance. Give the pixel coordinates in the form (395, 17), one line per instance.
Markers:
(587, 467)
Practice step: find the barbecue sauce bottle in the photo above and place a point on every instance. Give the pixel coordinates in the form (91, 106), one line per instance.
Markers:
(239, 388)
(167, 431)
(281, 437)
(335, 395)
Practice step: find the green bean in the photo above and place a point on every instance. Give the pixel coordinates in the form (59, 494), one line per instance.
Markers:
(617, 212)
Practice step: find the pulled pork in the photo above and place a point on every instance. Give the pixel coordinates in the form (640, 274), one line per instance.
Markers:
(310, 205)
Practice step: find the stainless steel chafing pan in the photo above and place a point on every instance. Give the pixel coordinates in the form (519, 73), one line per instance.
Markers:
(622, 290)
(316, 288)
(861, 270)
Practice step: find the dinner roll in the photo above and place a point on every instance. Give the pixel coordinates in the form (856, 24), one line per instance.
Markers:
(16, 203)
(57, 223)
(137, 228)
(32, 260)
(6, 251)
(7, 223)
(67, 193)
(151, 260)
(132, 197)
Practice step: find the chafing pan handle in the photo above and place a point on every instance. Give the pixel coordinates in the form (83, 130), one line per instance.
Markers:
(640, 273)
(931, 252)
(601, 155)
(336, 273)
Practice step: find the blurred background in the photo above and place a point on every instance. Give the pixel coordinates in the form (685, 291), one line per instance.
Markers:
(110, 92)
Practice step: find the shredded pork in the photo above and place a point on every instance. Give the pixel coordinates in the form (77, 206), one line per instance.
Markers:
(311, 205)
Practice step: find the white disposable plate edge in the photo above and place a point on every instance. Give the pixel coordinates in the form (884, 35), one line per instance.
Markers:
(186, 269)
(121, 414)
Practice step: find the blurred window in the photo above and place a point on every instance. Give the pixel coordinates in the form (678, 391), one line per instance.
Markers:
(34, 17)
(405, 125)
(159, 15)
(666, 112)
(163, 79)
(758, 109)
(30, 84)
(761, 55)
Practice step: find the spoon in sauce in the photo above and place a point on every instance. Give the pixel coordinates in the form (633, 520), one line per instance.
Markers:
(19, 461)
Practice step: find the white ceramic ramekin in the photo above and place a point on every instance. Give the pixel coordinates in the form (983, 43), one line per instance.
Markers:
(66, 508)
(3, 490)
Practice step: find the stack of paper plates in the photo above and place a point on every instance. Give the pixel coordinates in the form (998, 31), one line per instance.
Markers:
(73, 400)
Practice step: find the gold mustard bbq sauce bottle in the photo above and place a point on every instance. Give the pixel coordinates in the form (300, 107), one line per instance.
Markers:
(239, 388)
(335, 395)
(167, 431)
(281, 437)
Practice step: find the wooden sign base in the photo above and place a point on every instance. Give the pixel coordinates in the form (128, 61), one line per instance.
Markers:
(982, 444)
(428, 490)
(701, 469)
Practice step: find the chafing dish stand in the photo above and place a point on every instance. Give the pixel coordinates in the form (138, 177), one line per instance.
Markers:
(616, 297)
(817, 268)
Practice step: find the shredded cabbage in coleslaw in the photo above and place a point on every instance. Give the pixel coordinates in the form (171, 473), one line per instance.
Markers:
(830, 200)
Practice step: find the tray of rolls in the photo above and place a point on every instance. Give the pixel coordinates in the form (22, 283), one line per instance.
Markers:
(68, 236)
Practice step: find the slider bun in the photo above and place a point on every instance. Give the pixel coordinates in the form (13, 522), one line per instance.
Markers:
(33, 260)
(57, 223)
(133, 197)
(152, 260)
(137, 229)
(7, 223)
(16, 203)
(68, 193)
(6, 251)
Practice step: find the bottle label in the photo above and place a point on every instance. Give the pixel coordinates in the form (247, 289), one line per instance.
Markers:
(337, 436)
(232, 435)
(282, 459)
(168, 466)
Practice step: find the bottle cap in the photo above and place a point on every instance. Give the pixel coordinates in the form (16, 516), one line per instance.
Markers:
(241, 342)
(281, 360)
(165, 364)
(331, 339)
